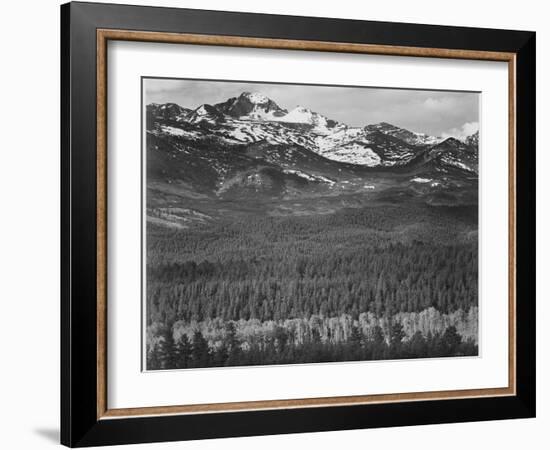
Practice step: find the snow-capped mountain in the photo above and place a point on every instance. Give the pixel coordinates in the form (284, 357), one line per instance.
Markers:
(257, 107)
(168, 111)
(410, 137)
(252, 106)
(205, 113)
(253, 117)
(249, 146)
(257, 156)
(307, 116)
(454, 153)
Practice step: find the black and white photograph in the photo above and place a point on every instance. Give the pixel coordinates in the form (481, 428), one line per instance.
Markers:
(292, 224)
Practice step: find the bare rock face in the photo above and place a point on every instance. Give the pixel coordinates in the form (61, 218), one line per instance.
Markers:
(251, 105)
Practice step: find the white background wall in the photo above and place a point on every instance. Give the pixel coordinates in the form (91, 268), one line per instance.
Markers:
(29, 229)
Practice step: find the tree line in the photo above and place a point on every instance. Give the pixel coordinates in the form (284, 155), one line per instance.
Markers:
(196, 352)
(383, 261)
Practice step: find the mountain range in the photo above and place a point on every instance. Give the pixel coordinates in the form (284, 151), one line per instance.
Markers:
(248, 147)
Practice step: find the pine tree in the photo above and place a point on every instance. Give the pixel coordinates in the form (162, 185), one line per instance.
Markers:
(166, 349)
(356, 342)
(183, 352)
(396, 339)
(232, 344)
(417, 347)
(377, 343)
(450, 341)
(153, 360)
(200, 350)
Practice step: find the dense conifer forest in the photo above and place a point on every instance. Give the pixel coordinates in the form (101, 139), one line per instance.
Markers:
(381, 282)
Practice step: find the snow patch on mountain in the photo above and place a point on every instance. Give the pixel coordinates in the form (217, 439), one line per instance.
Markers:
(204, 113)
(421, 180)
(410, 137)
(455, 162)
(354, 153)
(178, 131)
(342, 136)
(256, 97)
(299, 115)
(309, 177)
(252, 117)
(251, 106)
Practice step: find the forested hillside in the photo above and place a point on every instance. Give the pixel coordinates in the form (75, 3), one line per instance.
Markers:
(280, 236)
(316, 283)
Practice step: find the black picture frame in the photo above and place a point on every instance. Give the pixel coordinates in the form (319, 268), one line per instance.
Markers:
(80, 425)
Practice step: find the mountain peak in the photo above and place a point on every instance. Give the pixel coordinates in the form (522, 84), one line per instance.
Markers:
(168, 105)
(205, 113)
(252, 105)
(450, 144)
(410, 137)
(473, 140)
(171, 111)
(206, 109)
(255, 97)
(451, 141)
(384, 127)
(304, 115)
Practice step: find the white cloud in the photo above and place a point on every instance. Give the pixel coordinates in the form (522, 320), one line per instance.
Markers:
(439, 104)
(462, 132)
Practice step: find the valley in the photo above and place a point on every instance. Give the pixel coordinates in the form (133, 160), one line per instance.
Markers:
(278, 237)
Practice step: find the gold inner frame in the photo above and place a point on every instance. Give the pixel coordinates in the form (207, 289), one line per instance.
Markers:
(103, 36)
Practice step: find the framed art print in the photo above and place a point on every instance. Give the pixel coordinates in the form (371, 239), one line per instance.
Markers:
(277, 224)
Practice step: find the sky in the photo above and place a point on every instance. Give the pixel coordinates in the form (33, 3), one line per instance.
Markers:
(438, 113)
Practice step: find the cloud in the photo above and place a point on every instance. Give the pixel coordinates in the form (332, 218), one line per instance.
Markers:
(439, 104)
(462, 132)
